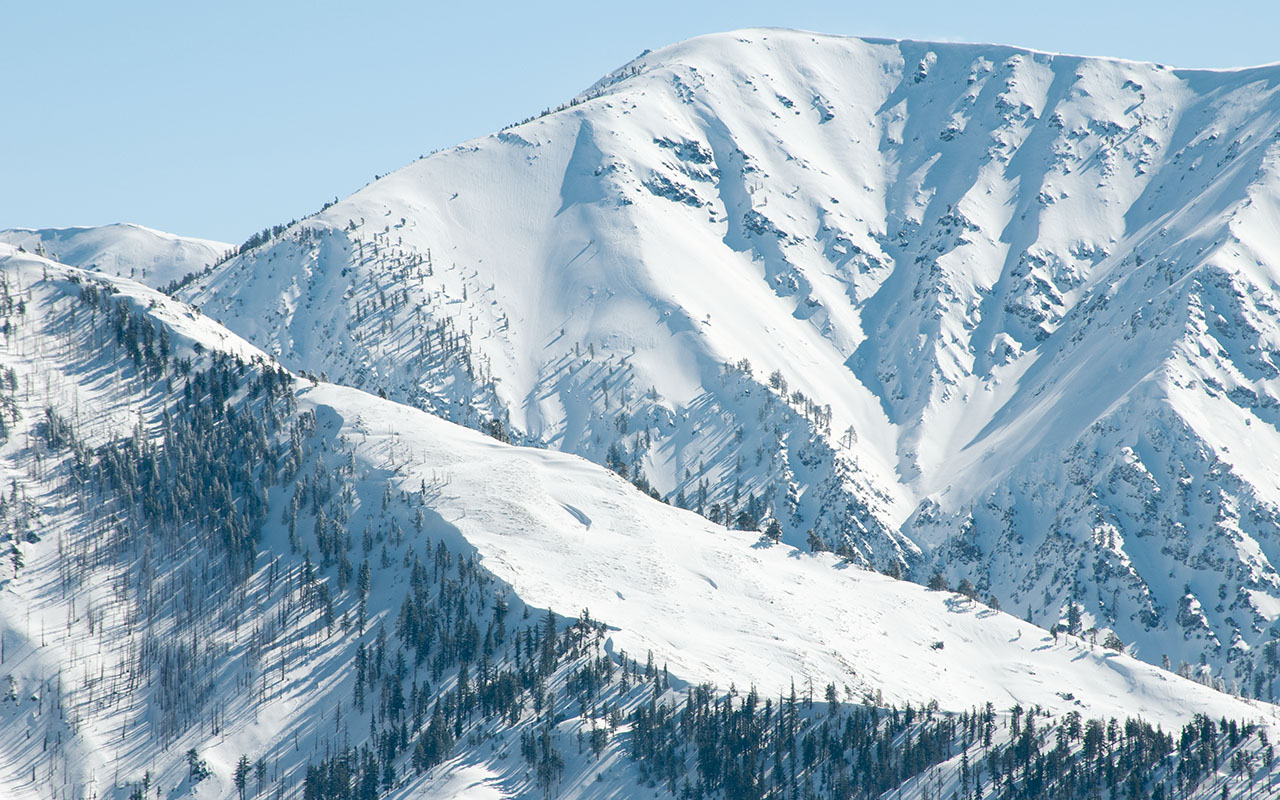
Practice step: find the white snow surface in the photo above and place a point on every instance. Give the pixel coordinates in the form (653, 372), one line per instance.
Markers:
(151, 257)
(711, 604)
(1023, 305)
(1027, 299)
(717, 605)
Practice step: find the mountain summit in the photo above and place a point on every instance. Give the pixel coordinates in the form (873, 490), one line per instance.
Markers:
(1002, 314)
(974, 316)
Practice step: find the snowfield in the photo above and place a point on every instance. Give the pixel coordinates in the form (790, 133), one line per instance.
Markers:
(1000, 313)
(151, 257)
(720, 606)
(941, 310)
(709, 604)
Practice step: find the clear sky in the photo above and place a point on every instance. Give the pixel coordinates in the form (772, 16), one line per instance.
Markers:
(216, 119)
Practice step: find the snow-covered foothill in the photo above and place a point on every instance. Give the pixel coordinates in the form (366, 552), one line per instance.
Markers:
(151, 257)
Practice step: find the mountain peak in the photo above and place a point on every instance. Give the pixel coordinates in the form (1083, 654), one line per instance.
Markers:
(522, 459)
(883, 292)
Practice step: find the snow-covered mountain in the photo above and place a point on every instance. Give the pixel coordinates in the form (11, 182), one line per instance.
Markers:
(213, 567)
(999, 313)
(152, 257)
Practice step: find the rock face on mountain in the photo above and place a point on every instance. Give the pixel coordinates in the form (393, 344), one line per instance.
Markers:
(1002, 314)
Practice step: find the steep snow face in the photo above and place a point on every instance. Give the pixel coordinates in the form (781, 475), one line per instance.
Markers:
(127, 643)
(1002, 311)
(151, 257)
(721, 606)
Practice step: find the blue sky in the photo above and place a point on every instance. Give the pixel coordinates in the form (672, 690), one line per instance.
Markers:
(217, 119)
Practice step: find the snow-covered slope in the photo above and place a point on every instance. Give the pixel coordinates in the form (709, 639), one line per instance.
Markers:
(719, 605)
(152, 257)
(136, 628)
(997, 312)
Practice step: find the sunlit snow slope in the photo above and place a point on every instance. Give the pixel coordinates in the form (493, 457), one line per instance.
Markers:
(997, 312)
(149, 256)
(718, 605)
(130, 642)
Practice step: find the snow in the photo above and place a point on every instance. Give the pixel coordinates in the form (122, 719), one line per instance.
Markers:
(721, 607)
(986, 261)
(152, 257)
(1035, 293)
(467, 782)
(709, 603)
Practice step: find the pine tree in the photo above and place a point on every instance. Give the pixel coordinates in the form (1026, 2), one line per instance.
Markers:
(773, 531)
(1073, 619)
(260, 771)
(241, 778)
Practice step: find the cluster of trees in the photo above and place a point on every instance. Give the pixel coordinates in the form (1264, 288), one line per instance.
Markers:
(147, 344)
(16, 511)
(265, 235)
(192, 483)
(215, 459)
(751, 482)
(708, 743)
(457, 664)
(457, 668)
(8, 401)
(725, 746)
(352, 774)
(256, 239)
(395, 297)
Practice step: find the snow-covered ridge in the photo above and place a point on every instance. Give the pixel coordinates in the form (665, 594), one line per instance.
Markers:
(717, 605)
(556, 531)
(724, 607)
(151, 257)
(1014, 307)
